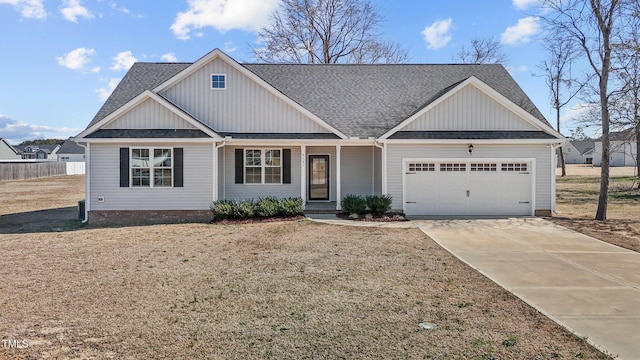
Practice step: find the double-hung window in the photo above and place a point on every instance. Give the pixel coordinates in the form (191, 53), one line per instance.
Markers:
(263, 166)
(151, 167)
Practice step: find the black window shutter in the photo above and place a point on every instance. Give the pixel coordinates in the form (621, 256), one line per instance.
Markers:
(286, 166)
(124, 167)
(178, 177)
(239, 166)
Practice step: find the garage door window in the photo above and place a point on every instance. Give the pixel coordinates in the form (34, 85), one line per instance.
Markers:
(422, 167)
(453, 167)
(484, 167)
(514, 167)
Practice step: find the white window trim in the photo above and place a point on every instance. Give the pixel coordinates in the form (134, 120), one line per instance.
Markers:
(151, 167)
(263, 165)
(211, 82)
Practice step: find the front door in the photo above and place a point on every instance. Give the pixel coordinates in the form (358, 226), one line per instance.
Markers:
(318, 177)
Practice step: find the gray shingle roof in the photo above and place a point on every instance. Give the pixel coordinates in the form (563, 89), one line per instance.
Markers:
(583, 146)
(369, 100)
(471, 135)
(70, 147)
(300, 136)
(358, 100)
(149, 133)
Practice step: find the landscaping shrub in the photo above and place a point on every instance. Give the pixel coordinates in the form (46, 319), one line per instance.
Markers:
(267, 207)
(243, 209)
(379, 204)
(290, 206)
(222, 209)
(354, 204)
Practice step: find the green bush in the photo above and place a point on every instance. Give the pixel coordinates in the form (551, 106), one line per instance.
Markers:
(290, 206)
(267, 207)
(379, 204)
(243, 209)
(353, 204)
(222, 209)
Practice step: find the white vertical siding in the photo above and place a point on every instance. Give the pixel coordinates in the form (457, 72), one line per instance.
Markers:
(149, 115)
(543, 172)
(235, 191)
(243, 106)
(469, 109)
(356, 170)
(105, 182)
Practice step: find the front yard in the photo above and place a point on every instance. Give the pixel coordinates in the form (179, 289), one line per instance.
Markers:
(275, 290)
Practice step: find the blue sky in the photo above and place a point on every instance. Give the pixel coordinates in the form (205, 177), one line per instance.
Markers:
(62, 58)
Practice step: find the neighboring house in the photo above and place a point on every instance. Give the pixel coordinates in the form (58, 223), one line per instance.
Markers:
(623, 151)
(8, 152)
(440, 139)
(38, 152)
(578, 152)
(70, 151)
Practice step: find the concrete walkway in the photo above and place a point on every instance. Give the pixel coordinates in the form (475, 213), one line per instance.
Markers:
(588, 286)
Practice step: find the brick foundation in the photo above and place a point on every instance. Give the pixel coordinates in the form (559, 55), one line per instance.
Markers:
(146, 217)
(544, 213)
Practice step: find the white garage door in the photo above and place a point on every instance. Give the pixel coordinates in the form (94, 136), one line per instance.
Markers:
(468, 188)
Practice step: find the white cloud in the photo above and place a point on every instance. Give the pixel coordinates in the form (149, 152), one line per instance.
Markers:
(525, 4)
(17, 131)
(437, 34)
(522, 32)
(31, 9)
(580, 111)
(223, 15)
(76, 59)
(169, 57)
(229, 47)
(104, 92)
(72, 10)
(123, 61)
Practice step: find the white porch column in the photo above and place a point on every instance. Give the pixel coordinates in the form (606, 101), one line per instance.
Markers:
(214, 175)
(338, 182)
(303, 175)
(384, 169)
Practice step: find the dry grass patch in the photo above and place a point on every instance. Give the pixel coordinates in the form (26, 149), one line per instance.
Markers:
(577, 202)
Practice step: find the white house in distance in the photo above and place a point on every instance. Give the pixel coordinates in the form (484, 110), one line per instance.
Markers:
(578, 152)
(623, 149)
(440, 139)
(70, 151)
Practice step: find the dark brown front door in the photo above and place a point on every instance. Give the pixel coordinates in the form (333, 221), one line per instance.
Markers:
(318, 177)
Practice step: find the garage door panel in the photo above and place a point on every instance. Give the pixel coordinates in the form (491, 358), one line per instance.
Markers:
(468, 188)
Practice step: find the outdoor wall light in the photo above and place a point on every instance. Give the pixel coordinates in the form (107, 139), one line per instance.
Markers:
(470, 149)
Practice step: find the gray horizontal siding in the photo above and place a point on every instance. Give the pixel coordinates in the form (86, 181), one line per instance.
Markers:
(356, 170)
(196, 194)
(542, 154)
(470, 109)
(233, 191)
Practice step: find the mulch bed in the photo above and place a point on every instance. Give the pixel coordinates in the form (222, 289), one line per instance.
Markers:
(257, 220)
(377, 218)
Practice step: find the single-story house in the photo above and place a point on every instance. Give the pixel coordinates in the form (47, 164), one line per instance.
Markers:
(578, 152)
(623, 148)
(440, 139)
(70, 151)
(8, 152)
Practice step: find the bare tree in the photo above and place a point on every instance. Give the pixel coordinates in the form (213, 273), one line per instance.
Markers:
(482, 51)
(591, 25)
(558, 77)
(327, 32)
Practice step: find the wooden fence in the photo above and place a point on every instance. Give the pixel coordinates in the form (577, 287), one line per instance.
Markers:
(31, 170)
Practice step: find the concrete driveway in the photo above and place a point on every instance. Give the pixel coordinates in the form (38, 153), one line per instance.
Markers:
(589, 286)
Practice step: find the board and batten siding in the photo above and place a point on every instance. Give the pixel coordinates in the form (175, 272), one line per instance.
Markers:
(543, 172)
(196, 194)
(244, 106)
(469, 109)
(356, 170)
(149, 115)
(233, 191)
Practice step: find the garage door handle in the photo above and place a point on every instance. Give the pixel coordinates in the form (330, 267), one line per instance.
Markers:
(410, 173)
(410, 202)
(524, 202)
(525, 173)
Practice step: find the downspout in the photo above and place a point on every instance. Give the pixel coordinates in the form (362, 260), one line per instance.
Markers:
(87, 173)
